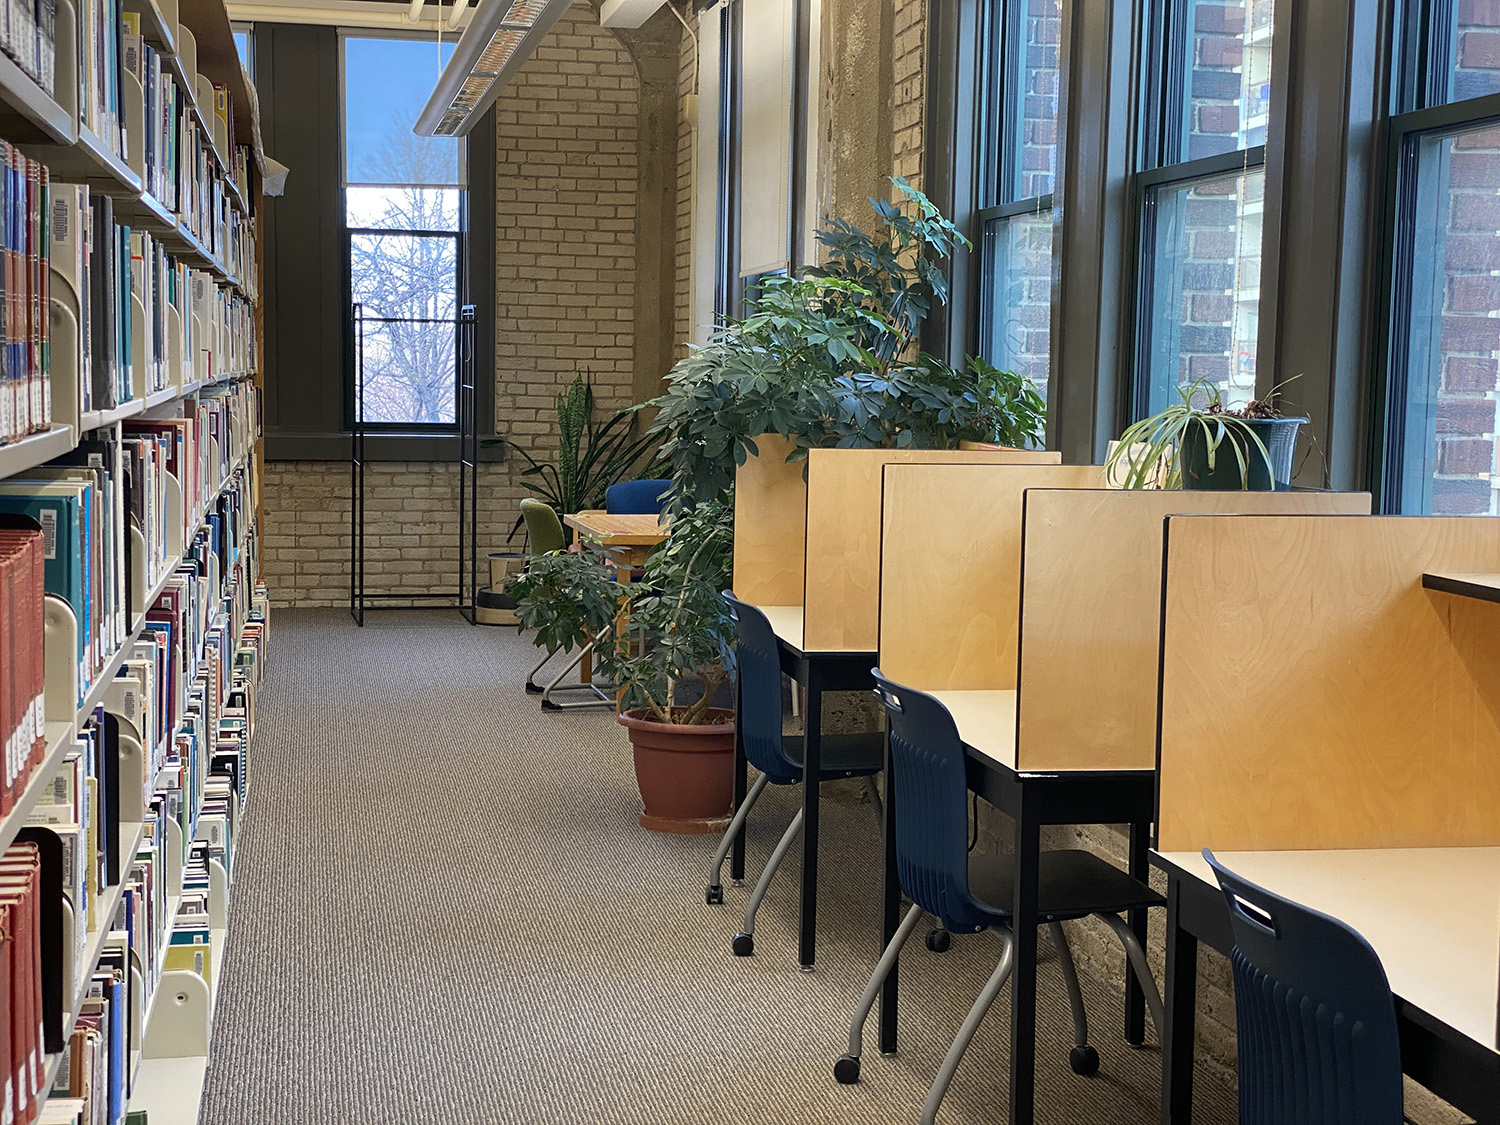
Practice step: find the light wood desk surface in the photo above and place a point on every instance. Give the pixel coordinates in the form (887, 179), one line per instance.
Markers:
(786, 623)
(619, 530)
(986, 721)
(1485, 587)
(1431, 914)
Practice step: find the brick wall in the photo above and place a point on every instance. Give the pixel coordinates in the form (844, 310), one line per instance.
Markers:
(908, 91)
(565, 272)
(687, 120)
(1456, 379)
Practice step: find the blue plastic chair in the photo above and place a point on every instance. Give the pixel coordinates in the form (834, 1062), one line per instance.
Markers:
(970, 893)
(637, 497)
(778, 756)
(1318, 1041)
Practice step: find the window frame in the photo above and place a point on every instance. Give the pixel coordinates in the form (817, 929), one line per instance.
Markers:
(461, 238)
(1160, 131)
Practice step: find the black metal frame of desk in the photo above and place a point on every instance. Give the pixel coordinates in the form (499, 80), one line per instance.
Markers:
(817, 672)
(1462, 1072)
(1033, 800)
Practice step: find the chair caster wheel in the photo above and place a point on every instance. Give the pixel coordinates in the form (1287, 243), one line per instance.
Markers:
(1084, 1061)
(714, 894)
(846, 1070)
(939, 940)
(743, 945)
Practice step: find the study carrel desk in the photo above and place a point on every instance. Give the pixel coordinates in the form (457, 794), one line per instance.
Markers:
(1331, 729)
(807, 554)
(1036, 621)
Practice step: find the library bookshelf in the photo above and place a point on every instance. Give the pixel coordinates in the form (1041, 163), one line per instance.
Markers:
(132, 337)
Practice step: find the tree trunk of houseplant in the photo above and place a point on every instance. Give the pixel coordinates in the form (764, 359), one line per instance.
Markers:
(685, 772)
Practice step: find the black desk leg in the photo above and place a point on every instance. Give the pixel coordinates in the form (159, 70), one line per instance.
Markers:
(890, 913)
(1181, 1009)
(1135, 999)
(1023, 975)
(812, 760)
(741, 787)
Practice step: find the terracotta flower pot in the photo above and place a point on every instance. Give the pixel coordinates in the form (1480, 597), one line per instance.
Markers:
(686, 773)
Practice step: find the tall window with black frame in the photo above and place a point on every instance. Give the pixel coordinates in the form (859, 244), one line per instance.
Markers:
(404, 205)
(1200, 185)
(1017, 159)
(1443, 346)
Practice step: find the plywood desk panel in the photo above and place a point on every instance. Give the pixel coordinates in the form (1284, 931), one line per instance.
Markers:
(786, 623)
(986, 721)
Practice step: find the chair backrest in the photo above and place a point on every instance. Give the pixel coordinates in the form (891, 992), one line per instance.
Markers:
(932, 808)
(543, 529)
(1318, 1043)
(759, 717)
(637, 497)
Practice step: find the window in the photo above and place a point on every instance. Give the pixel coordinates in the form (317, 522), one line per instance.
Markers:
(404, 208)
(242, 44)
(1018, 161)
(1201, 191)
(1443, 346)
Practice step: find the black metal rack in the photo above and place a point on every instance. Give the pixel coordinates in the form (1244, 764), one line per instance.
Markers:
(462, 597)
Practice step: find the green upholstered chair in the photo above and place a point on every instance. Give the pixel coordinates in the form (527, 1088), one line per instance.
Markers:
(544, 530)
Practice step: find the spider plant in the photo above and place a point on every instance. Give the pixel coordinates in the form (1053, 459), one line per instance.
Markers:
(1152, 450)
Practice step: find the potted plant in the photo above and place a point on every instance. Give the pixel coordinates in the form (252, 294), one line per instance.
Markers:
(668, 663)
(1199, 443)
(832, 358)
(591, 454)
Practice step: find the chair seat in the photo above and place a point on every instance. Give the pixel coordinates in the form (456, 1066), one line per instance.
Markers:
(1072, 884)
(842, 755)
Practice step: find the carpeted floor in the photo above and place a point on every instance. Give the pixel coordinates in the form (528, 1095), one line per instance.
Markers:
(443, 911)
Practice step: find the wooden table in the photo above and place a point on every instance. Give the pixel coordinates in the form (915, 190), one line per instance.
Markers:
(1431, 914)
(627, 538)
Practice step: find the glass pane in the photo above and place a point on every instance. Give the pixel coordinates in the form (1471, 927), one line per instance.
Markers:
(1474, 59)
(409, 373)
(1017, 319)
(1031, 102)
(1202, 303)
(410, 365)
(405, 208)
(386, 84)
(242, 45)
(1226, 77)
(1452, 346)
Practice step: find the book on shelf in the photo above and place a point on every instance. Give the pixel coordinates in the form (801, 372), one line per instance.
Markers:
(21, 1039)
(25, 284)
(22, 658)
(28, 36)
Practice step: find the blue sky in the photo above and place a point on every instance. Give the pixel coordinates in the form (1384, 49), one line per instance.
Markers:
(388, 82)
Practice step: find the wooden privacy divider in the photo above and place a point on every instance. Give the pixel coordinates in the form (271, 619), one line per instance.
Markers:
(770, 525)
(950, 570)
(1090, 627)
(1314, 695)
(816, 543)
(842, 585)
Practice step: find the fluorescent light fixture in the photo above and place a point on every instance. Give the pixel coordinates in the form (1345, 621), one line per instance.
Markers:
(336, 13)
(628, 13)
(502, 34)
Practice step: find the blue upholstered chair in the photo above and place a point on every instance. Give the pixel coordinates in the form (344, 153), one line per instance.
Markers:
(637, 497)
(971, 893)
(778, 756)
(1318, 1042)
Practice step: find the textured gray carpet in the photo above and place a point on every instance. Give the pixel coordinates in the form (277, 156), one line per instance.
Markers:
(443, 911)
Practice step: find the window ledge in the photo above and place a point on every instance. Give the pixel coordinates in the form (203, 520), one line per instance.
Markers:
(378, 447)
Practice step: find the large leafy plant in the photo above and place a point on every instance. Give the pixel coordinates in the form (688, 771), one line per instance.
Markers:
(832, 358)
(680, 634)
(592, 454)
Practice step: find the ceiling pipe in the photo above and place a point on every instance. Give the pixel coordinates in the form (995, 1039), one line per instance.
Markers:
(414, 13)
(457, 14)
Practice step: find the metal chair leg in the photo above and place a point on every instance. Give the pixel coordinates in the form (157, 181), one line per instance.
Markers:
(1082, 1058)
(1137, 958)
(602, 698)
(715, 892)
(532, 687)
(966, 1033)
(873, 792)
(846, 1069)
(743, 943)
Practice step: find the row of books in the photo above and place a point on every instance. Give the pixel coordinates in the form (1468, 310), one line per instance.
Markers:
(22, 710)
(25, 286)
(28, 35)
(22, 1045)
